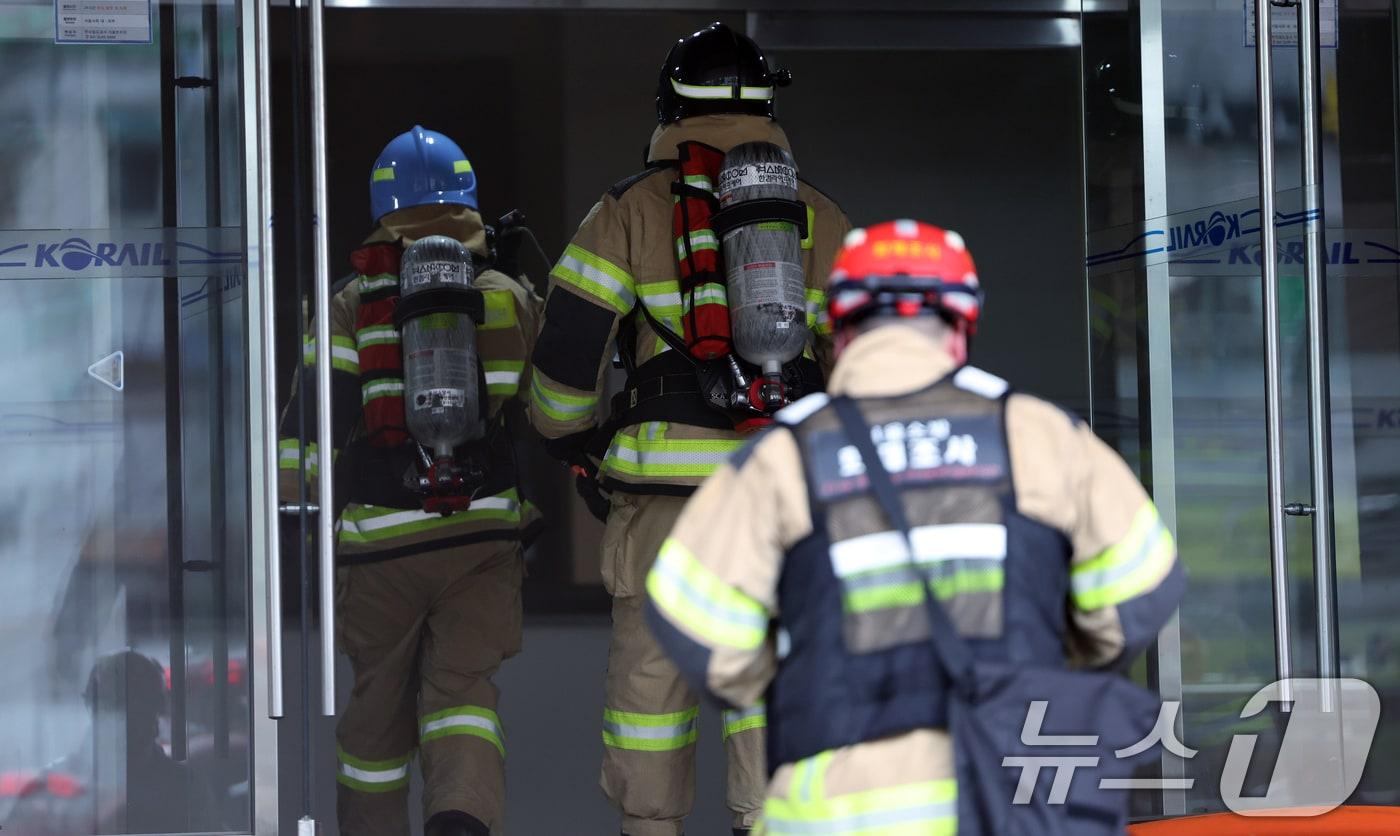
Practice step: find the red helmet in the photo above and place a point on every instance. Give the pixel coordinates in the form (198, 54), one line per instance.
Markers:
(905, 268)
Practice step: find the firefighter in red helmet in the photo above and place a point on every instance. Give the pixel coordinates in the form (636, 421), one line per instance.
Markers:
(798, 576)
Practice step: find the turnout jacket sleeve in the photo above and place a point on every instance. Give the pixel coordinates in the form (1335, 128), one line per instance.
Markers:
(590, 289)
(1125, 579)
(345, 399)
(712, 592)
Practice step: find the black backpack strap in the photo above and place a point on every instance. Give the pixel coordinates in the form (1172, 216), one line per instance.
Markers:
(953, 652)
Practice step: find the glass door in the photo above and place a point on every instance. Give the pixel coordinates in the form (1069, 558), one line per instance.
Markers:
(127, 580)
(1180, 327)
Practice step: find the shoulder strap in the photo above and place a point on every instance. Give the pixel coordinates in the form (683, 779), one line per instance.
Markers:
(953, 652)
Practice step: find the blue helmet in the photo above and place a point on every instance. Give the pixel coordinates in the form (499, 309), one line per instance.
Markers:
(417, 168)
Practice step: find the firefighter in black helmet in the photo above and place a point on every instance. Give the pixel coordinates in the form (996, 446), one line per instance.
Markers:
(642, 263)
(716, 70)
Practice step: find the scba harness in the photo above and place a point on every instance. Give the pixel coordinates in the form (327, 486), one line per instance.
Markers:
(386, 465)
(734, 393)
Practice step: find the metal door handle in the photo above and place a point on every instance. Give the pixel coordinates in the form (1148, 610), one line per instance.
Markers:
(1319, 388)
(1273, 393)
(320, 277)
(272, 545)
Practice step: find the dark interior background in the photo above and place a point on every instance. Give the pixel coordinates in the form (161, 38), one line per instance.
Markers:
(553, 107)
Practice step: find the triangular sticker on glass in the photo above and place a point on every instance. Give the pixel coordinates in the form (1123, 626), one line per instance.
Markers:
(109, 370)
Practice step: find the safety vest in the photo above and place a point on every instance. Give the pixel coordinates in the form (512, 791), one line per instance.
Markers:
(852, 623)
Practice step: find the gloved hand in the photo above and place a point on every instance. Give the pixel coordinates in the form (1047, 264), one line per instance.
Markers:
(572, 450)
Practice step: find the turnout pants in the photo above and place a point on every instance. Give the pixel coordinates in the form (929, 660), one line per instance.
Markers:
(424, 634)
(650, 715)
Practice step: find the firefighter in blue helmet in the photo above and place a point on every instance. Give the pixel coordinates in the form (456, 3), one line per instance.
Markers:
(787, 577)
(428, 584)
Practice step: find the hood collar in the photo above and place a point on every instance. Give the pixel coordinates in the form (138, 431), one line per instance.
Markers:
(720, 130)
(889, 360)
(409, 225)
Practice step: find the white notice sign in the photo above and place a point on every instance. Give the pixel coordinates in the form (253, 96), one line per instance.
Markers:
(102, 21)
(1284, 22)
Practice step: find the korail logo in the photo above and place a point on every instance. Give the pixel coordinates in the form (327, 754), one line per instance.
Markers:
(130, 253)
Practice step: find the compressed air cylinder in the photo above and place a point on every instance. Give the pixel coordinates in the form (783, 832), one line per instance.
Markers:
(763, 261)
(441, 384)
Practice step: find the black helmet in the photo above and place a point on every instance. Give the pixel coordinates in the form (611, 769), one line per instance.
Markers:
(716, 70)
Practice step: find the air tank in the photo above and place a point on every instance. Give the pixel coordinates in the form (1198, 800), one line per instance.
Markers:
(441, 383)
(763, 260)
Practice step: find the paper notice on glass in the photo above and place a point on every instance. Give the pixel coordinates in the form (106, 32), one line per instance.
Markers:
(1285, 24)
(102, 21)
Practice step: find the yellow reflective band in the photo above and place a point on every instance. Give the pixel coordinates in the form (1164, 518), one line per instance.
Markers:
(720, 91)
(365, 525)
(382, 174)
(500, 310)
(372, 776)
(375, 389)
(650, 732)
(289, 456)
(461, 167)
(744, 720)
(471, 720)
(561, 406)
(503, 376)
(345, 356)
(658, 456)
(377, 335)
(1128, 569)
(927, 808)
(811, 228)
(596, 277)
(700, 601)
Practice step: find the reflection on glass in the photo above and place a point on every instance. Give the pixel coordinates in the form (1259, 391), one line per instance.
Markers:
(123, 553)
(1206, 138)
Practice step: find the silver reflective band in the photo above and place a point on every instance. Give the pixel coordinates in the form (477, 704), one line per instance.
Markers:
(496, 378)
(720, 91)
(651, 732)
(458, 721)
(377, 776)
(364, 526)
(933, 543)
(863, 821)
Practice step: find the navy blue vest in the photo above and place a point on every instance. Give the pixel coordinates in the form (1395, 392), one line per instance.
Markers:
(856, 663)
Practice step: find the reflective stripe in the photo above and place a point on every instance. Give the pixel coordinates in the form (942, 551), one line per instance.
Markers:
(379, 281)
(461, 167)
(377, 335)
(807, 242)
(700, 181)
(366, 524)
(720, 91)
(699, 600)
(381, 174)
(650, 732)
(707, 294)
(954, 560)
(661, 298)
(344, 355)
(1128, 569)
(817, 319)
(744, 720)
(289, 456)
(470, 720)
(700, 239)
(380, 389)
(927, 808)
(597, 277)
(503, 376)
(559, 405)
(986, 384)
(372, 776)
(932, 543)
(653, 456)
(500, 311)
